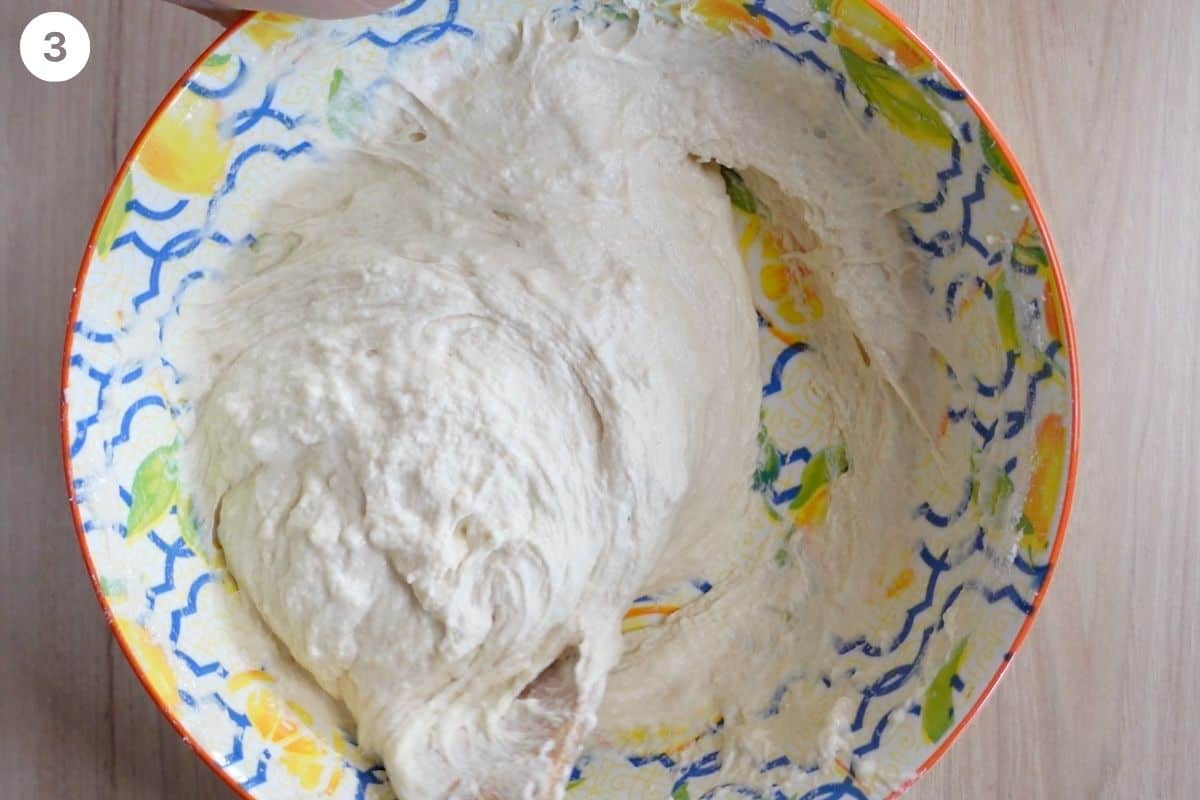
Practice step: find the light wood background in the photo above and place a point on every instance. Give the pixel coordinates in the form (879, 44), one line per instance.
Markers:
(1100, 100)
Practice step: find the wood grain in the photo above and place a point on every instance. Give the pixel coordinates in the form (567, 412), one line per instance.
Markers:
(1101, 102)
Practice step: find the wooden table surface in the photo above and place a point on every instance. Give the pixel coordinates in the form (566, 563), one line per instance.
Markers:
(1101, 102)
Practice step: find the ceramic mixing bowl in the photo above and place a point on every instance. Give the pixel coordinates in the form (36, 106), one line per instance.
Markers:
(944, 618)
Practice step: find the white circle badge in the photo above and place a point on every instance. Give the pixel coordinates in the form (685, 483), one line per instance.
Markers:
(55, 46)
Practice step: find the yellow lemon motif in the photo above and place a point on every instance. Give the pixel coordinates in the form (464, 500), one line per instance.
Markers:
(726, 15)
(858, 25)
(794, 298)
(901, 582)
(640, 617)
(810, 507)
(269, 28)
(288, 726)
(1052, 304)
(787, 286)
(666, 738)
(152, 661)
(815, 509)
(186, 151)
(1048, 472)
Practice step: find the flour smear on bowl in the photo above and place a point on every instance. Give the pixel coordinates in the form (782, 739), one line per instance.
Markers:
(608, 402)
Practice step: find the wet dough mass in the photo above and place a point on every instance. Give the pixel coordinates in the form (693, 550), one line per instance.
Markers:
(498, 368)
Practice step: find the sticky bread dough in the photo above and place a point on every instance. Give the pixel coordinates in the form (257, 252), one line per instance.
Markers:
(475, 387)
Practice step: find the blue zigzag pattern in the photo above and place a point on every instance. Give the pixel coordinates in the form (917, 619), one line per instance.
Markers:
(131, 413)
(240, 722)
(968, 217)
(135, 206)
(955, 285)
(775, 384)
(178, 616)
(260, 773)
(247, 119)
(793, 29)
(183, 244)
(83, 424)
(985, 431)
(404, 11)
(220, 92)
(943, 178)
(422, 34)
(804, 48)
(939, 520)
(1017, 419)
(171, 552)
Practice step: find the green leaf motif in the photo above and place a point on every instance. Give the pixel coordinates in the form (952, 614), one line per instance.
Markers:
(681, 793)
(820, 470)
(1030, 256)
(937, 711)
(768, 461)
(1025, 527)
(613, 12)
(739, 193)
(824, 7)
(1006, 316)
(154, 492)
(114, 220)
(995, 159)
(218, 60)
(187, 524)
(898, 99)
(112, 588)
(335, 85)
(345, 105)
(1002, 489)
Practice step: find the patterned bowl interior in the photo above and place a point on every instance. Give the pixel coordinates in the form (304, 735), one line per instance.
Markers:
(947, 615)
